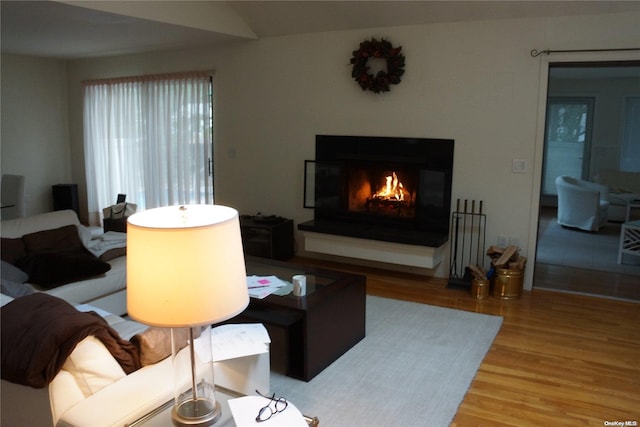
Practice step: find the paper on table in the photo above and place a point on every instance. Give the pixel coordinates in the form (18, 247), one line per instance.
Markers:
(245, 409)
(235, 340)
(263, 286)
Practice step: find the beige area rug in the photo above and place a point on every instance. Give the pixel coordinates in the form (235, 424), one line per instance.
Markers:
(413, 368)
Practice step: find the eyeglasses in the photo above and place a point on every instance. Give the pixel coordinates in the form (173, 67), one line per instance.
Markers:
(266, 412)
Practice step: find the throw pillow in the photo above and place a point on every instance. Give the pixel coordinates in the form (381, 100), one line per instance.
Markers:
(12, 250)
(13, 273)
(56, 239)
(154, 344)
(15, 289)
(52, 269)
(13, 281)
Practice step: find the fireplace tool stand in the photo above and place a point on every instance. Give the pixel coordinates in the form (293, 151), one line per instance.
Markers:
(466, 246)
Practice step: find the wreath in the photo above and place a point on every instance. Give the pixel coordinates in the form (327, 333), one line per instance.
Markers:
(383, 79)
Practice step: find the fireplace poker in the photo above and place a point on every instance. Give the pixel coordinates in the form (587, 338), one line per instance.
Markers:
(453, 270)
(464, 228)
(479, 229)
(473, 217)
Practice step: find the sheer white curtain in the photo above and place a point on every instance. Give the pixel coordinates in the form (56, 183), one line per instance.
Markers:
(630, 150)
(150, 138)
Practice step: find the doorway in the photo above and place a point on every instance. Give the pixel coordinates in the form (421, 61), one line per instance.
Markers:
(584, 133)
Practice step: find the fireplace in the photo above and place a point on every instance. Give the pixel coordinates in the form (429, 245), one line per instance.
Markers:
(380, 192)
(383, 188)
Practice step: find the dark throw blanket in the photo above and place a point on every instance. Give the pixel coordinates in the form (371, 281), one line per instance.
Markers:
(40, 331)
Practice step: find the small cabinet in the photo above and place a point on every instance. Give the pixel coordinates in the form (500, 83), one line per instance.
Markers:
(267, 237)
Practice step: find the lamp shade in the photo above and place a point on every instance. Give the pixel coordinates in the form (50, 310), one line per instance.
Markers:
(185, 266)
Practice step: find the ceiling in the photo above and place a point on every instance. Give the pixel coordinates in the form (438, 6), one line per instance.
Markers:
(80, 29)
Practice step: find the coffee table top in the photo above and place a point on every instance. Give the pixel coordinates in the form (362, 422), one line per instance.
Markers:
(320, 282)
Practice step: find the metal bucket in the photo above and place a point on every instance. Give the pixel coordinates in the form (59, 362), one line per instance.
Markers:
(507, 283)
(480, 288)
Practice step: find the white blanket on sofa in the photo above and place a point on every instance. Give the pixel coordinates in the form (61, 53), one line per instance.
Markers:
(109, 240)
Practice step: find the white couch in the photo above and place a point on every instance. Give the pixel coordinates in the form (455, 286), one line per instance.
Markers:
(581, 204)
(107, 291)
(92, 389)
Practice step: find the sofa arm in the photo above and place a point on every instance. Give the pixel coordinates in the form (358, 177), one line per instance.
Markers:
(148, 388)
(123, 401)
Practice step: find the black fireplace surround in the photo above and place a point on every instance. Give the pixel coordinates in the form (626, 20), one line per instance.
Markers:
(383, 188)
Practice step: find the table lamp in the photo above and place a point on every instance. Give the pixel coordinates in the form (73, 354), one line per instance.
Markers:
(186, 269)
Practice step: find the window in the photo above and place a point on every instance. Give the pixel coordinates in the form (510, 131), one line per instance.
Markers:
(150, 138)
(567, 140)
(630, 153)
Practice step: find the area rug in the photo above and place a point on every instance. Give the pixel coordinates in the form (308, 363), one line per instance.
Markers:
(413, 368)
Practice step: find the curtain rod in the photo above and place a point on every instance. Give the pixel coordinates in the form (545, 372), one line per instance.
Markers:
(148, 78)
(535, 52)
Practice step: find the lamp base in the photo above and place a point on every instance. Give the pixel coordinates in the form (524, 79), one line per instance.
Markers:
(200, 412)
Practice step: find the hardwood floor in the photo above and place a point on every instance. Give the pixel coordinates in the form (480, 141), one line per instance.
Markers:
(559, 359)
(592, 282)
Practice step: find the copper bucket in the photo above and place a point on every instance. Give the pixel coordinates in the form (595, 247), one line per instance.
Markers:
(507, 283)
(480, 288)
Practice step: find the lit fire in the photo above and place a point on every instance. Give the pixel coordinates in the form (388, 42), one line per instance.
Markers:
(393, 189)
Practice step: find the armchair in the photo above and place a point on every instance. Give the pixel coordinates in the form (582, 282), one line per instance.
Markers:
(581, 204)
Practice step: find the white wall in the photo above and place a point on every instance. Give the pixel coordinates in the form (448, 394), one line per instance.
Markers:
(473, 82)
(35, 128)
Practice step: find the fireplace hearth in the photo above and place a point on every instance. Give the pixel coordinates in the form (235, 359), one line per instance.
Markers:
(383, 188)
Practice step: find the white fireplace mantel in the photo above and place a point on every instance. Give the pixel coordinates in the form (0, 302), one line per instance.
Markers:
(374, 250)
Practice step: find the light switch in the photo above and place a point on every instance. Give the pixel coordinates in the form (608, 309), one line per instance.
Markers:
(519, 166)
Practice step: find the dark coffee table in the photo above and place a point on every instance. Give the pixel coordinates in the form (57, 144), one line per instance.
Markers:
(308, 333)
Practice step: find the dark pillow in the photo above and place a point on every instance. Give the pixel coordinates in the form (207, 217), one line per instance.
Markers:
(13, 273)
(12, 250)
(52, 269)
(15, 289)
(57, 239)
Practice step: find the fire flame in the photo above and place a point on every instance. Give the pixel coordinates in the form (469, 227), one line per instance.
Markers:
(392, 190)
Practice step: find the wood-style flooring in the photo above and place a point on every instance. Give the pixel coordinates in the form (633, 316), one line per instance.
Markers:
(560, 359)
(583, 281)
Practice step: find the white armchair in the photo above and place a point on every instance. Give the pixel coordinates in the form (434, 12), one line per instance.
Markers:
(581, 204)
